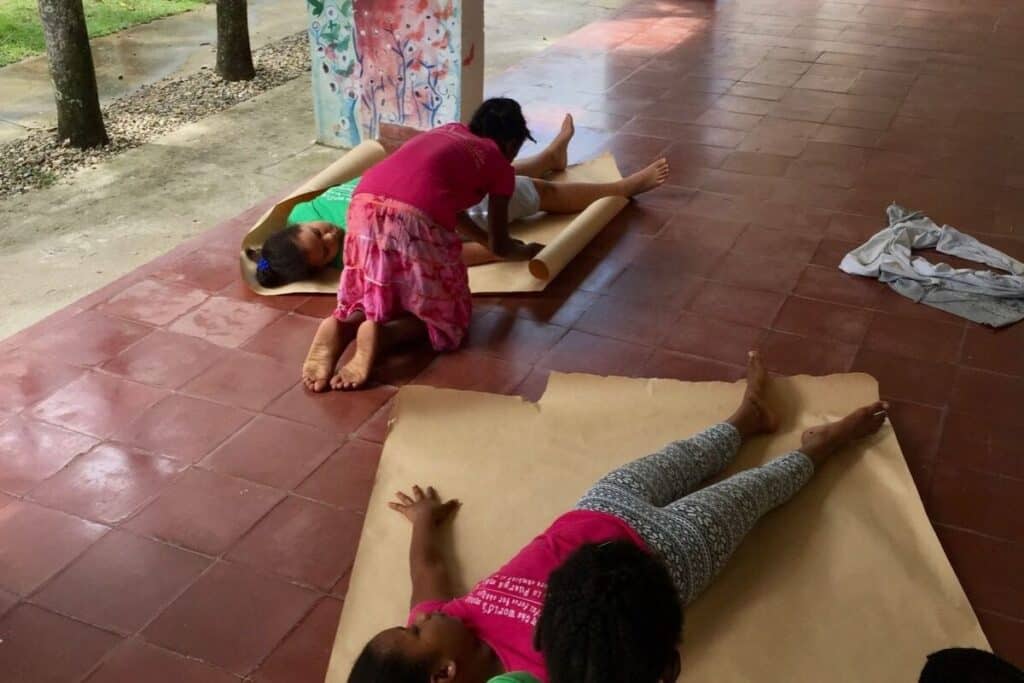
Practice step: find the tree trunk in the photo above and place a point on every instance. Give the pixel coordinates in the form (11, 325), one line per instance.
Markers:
(71, 71)
(234, 57)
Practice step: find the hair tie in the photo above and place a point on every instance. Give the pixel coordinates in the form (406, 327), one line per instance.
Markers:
(263, 264)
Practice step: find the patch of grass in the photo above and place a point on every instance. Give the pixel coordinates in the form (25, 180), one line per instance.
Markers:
(23, 34)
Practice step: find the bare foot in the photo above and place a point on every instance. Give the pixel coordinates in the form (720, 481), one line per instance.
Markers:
(560, 145)
(330, 340)
(354, 374)
(647, 179)
(754, 417)
(818, 443)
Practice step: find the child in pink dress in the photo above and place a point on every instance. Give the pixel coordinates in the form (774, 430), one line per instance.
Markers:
(403, 276)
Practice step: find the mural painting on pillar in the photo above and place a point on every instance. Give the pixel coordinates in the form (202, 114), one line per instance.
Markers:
(391, 61)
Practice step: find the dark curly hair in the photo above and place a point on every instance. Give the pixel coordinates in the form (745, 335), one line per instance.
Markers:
(280, 261)
(375, 666)
(611, 614)
(501, 119)
(968, 665)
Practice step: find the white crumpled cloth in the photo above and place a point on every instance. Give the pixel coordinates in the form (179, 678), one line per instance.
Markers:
(995, 299)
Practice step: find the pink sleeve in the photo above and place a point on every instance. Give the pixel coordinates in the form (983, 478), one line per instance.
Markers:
(423, 607)
(503, 176)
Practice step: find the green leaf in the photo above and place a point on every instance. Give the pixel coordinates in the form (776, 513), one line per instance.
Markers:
(317, 6)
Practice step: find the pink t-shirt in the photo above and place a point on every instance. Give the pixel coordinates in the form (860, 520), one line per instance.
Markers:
(503, 608)
(442, 172)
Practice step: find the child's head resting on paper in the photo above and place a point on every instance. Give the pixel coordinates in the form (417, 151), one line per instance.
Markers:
(434, 648)
(295, 253)
(611, 614)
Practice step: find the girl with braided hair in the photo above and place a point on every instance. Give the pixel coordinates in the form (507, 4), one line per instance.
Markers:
(598, 596)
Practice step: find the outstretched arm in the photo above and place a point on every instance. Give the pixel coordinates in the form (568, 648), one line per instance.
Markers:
(431, 579)
(503, 245)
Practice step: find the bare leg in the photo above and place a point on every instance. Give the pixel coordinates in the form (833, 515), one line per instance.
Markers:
(574, 197)
(371, 339)
(330, 340)
(555, 156)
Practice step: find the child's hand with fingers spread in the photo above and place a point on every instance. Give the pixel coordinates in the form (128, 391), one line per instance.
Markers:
(424, 507)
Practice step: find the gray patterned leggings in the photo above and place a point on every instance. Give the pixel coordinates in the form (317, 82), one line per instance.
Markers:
(695, 531)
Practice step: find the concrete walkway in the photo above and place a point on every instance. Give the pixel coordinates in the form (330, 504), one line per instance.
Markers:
(64, 241)
(174, 46)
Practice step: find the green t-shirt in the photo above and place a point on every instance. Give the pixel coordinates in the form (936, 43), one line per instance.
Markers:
(330, 206)
(514, 677)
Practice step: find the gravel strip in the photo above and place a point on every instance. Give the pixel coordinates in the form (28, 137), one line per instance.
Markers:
(153, 110)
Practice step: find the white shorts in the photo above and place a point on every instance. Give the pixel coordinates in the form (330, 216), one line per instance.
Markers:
(525, 201)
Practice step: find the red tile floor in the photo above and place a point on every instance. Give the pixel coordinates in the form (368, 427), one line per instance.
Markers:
(176, 508)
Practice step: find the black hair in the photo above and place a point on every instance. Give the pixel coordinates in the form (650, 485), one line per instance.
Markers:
(611, 614)
(967, 665)
(376, 666)
(280, 261)
(501, 119)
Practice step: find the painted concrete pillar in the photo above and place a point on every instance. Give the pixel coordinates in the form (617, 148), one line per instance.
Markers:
(414, 62)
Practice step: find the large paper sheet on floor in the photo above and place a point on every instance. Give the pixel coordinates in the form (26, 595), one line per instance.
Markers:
(847, 582)
(564, 236)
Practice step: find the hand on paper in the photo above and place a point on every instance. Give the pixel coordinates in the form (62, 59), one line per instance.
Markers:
(424, 507)
(517, 250)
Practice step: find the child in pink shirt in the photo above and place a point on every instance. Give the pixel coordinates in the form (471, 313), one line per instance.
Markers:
(597, 597)
(403, 275)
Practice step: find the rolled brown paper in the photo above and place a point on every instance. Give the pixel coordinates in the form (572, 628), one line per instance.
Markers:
(584, 227)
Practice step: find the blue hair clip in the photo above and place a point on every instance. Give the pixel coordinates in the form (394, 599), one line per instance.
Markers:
(263, 264)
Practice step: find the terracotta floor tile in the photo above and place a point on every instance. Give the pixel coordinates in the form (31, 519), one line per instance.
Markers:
(239, 291)
(225, 322)
(286, 340)
(318, 306)
(921, 339)
(581, 352)
(153, 302)
(96, 404)
(7, 601)
(744, 105)
(535, 384)
(205, 511)
(998, 397)
(32, 451)
(779, 244)
(108, 483)
(164, 359)
(669, 365)
(231, 617)
(558, 310)
(850, 227)
(636, 150)
(473, 371)
(26, 378)
(823, 320)
(89, 338)
(908, 378)
(728, 119)
(272, 451)
(684, 155)
(918, 429)
(755, 91)
(1005, 634)
(210, 270)
(757, 272)
(700, 335)
(773, 143)
(246, 380)
(977, 501)
(339, 412)
(512, 338)
(42, 647)
(742, 184)
(844, 135)
(701, 232)
(121, 582)
(973, 440)
(628, 320)
(996, 350)
(789, 354)
(38, 543)
(756, 163)
(860, 119)
(303, 656)
(303, 541)
(183, 427)
(376, 428)
(989, 569)
(791, 217)
(346, 478)
(830, 252)
(136, 660)
(829, 284)
(737, 304)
